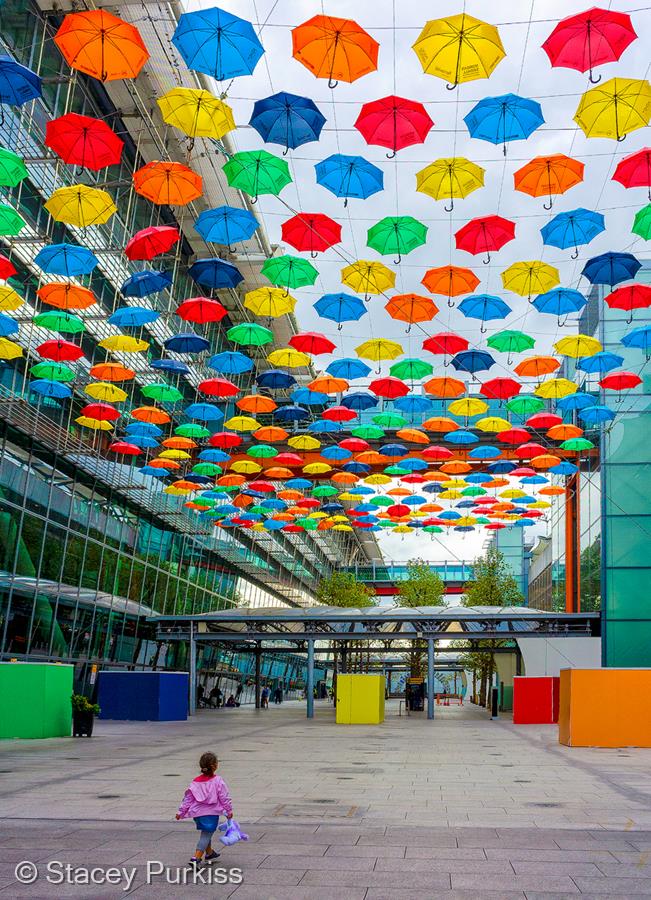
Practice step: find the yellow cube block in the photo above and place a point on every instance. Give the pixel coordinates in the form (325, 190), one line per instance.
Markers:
(360, 699)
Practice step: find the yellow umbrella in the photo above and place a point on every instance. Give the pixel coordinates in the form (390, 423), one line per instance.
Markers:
(493, 424)
(346, 495)
(343, 528)
(95, 424)
(196, 113)
(9, 299)
(539, 504)
(269, 301)
(9, 349)
(402, 529)
(467, 406)
(512, 493)
(317, 468)
(615, 108)
(242, 423)
(451, 177)
(288, 358)
(459, 48)
(530, 277)
(105, 391)
(176, 491)
(377, 479)
(174, 454)
(304, 442)
(454, 483)
(368, 277)
(555, 388)
(81, 205)
(123, 343)
(450, 495)
(245, 467)
(466, 520)
(378, 349)
(577, 346)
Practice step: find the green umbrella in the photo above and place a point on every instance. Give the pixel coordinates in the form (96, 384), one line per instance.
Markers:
(432, 529)
(482, 520)
(207, 468)
(257, 172)
(258, 510)
(396, 234)
(411, 369)
(191, 430)
(289, 271)
(205, 501)
(12, 169)
(510, 342)
(308, 524)
(396, 470)
(250, 334)
(53, 371)
(64, 322)
(381, 500)
(230, 488)
(385, 524)
(162, 392)
(368, 432)
(577, 444)
(262, 451)
(473, 492)
(390, 420)
(324, 490)
(525, 405)
(642, 223)
(10, 222)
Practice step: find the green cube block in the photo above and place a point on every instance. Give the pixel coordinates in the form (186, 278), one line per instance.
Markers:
(35, 700)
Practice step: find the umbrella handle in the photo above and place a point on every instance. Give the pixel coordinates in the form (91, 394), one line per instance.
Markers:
(254, 199)
(345, 202)
(450, 303)
(548, 205)
(620, 138)
(630, 318)
(391, 155)
(450, 207)
(482, 330)
(397, 262)
(231, 249)
(487, 260)
(339, 327)
(575, 255)
(285, 151)
(313, 254)
(451, 87)
(332, 84)
(378, 371)
(409, 328)
(594, 80)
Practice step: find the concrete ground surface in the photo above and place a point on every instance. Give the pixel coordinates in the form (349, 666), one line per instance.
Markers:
(461, 807)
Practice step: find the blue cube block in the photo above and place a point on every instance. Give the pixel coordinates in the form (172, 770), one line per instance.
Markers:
(144, 696)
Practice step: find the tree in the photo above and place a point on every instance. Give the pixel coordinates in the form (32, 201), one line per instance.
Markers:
(422, 587)
(492, 583)
(343, 589)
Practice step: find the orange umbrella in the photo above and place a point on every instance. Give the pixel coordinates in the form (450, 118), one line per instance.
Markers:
(278, 472)
(370, 458)
(399, 492)
(345, 478)
(164, 464)
(552, 491)
(564, 432)
(257, 403)
(499, 482)
(179, 443)
(271, 434)
(411, 308)
(535, 366)
(440, 423)
(413, 435)
(288, 494)
(66, 296)
(336, 49)
(431, 508)
(167, 183)
(450, 281)
(151, 414)
(112, 372)
(101, 45)
(455, 467)
(242, 500)
(328, 385)
(230, 480)
(445, 387)
(545, 176)
(435, 476)
(545, 461)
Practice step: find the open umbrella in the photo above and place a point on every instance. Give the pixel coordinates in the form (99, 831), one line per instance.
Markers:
(167, 183)
(573, 229)
(459, 48)
(473, 361)
(83, 141)
(7, 268)
(311, 231)
(63, 322)
(548, 176)
(378, 349)
(257, 172)
(201, 310)
(250, 334)
(217, 43)
(445, 343)
(411, 369)
(484, 307)
(65, 295)
(630, 297)
(101, 45)
(133, 316)
(368, 277)
(450, 281)
(577, 346)
(640, 338)
(589, 39)
(449, 178)
(611, 268)
(635, 170)
(18, 84)
(81, 206)
(11, 222)
(269, 301)
(484, 234)
(12, 169)
(560, 302)
(151, 241)
(340, 308)
(288, 120)
(142, 284)
(226, 225)
(9, 299)
(411, 308)
(396, 235)
(510, 342)
(393, 122)
(197, 113)
(312, 342)
(615, 108)
(503, 119)
(349, 176)
(530, 277)
(289, 271)
(186, 342)
(333, 48)
(216, 274)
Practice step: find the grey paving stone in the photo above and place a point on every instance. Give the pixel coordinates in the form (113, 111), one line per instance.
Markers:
(549, 856)
(368, 850)
(302, 892)
(627, 887)
(340, 877)
(550, 883)
(445, 864)
(543, 867)
(470, 853)
(357, 864)
(381, 894)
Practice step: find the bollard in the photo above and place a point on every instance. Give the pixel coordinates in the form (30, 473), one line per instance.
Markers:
(494, 702)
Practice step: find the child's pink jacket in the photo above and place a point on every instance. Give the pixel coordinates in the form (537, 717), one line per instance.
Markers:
(206, 797)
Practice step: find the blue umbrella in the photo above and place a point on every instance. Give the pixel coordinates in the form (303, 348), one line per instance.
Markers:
(600, 363)
(154, 471)
(450, 515)
(359, 400)
(214, 455)
(8, 326)
(478, 477)
(143, 441)
(274, 524)
(349, 176)
(66, 259)
(226, 225)
(432, 488)
(639, 338)
(611, 268)
(275, 379)
(413, 403)
(414, 500)
(596, 415)
(308, 397)
(356, 468)
(273, 503)
(484, 307)
(143, 428)
(287, 119)
(472, 361)
(534, 479)
(141, 284)
(340, 308)
(204, 412)
(216, 274)
(564, 468)
(560, 302)
(324, 426)
(133, 316)
(577, 400)
(486, 451)
(348, 368)
(187, 342)
(523, 523)
(18, 84)
(52, 389)
(217, 43)
(291, 413)
(505, 118)
(503, 467)
(230, 362)
(360, 489)
(331, 508)
(572, 229)
(414, 465)
(174, 366)
(461, 437)
(393, 450)
(336, 452)
(298, 484)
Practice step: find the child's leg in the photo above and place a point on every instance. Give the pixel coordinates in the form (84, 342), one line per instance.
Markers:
(203, 843)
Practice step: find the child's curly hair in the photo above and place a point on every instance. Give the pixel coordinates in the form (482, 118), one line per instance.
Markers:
(208, 763)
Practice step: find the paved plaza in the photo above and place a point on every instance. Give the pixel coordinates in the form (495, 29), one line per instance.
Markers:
(459, 808)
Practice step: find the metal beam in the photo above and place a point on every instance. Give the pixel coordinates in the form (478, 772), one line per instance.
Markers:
(430, 678)
(310, 679)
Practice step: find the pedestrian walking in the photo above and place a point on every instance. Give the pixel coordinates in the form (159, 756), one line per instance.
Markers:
(205, 799)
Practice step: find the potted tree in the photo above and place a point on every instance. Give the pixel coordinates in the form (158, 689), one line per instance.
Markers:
(83, 715)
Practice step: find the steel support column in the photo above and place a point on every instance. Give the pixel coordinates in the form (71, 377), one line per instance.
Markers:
(258, 653)
(430, 678)
(310, 678)
(193, 672)
(573, 545)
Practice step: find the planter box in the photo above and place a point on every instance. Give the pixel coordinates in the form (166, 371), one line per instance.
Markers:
(535, 700)
(144, 696)
(360, 699)
(605, 708)
(35, 700)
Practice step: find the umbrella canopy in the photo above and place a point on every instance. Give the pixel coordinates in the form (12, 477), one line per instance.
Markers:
(101, 45)
(9, 299)
(484, 307)
(473, 361)
(611, 268)
(167, 183)
(142, 284)
(187, 342)
(340, 308)
(635, 170)
(573, 229)
(216, 274)
(333, 48)
(226, 225)
(63, 322)
(459, 48)
(445, 343)
(217, 43)
(11, 223)
(379, 349)
(289, 271)
(510, 342)
(12, 169)
(18, 84)
(411, 369)
(449, 178)
(589, 39)
(65, 295)
(81, 205)
(288, 120)
(311, 231)
(289, 358)
(560, 302)
(502, 119)
(639, 338)
(230, 362)
(9, 326)
(197, 113)
(257, 172)
(314, 343)
(201, 310)
(577, 346)
(133, 316)
(411, 308)
(269, 301)
(83, 141)
(530, 277)
(250, 334)
(548, 176)
(9, 349)
(368, 277)
(615, 108)
(600, 363)
(152, 241)
(349, 176)
(484, 234)
(393, 122)
(630, 297)
(59, 351)
(7, 268)
(396, 235)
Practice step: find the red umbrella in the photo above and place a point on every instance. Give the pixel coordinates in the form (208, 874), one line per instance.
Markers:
(635, 170)
(103, 412)
(342, 414)
(308, 502)
(630, 297)
(150, 242)
(83, 141)
(311, 231)
(500, 388)
(435, 453)
(7, 268)
(311, 342)
(542, 421)
(224, 440)
(589, 39)
(445, 343)
(60, 351)
(485, 234)
(514, 436)
(620, 381)
(201, 310)
(393, 122)
(355, 445)
(529, 451)
(398, 510)
(389, 387)
(522, 472)
(218, 387)
(262, 485)
(494, 526)
(125, 449)
(288, 459)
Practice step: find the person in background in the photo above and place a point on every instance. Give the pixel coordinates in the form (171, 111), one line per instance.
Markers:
(205, 799)
(264, 698)
(231, 701)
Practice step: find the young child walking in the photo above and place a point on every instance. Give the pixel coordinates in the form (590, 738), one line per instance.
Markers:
(205, 799)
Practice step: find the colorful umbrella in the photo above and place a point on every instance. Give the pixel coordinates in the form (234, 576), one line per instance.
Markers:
(503, 119)
(368, 277)
(11, 223)
(445, 343)
(288, 358)
(152, 241)
(393, 122)
(142, 284)
(510, 342)
(7, 268)
(83, 141)
(9, 326)
(81, 205)
(600, 363)
(620, 381)
(611, 268)
(485, 234)
(577, 346)
(615, 108)
(133, 316)
(12, 169)
(639, 338)
(59, 351)
(459, 48)
(473, 361)
(630, 297)
(548, 176)
(411, 369)
(18, 84)
(226, 225)
(500, 388)
(289, 271)
(642, 223)
(635, 170)
(530, 277)
(269, 301)
(217, 43)
(65, 295)
(378, 349)
(333, 48)
(450, 281)
(215, 274)
(288, 120)
(196, 113)
(101, 45)
(484, 307)
(450, 178)
(312, 342)
(257, 172)
(9, 349)
(311, 231)
(340, 308)
(201, 310)
(560, 302)
(9, 299)
(167, 183)
(63, 322)
(396, 234)
(411, 308)
(349, 176)
(589, 39)
(572, 229)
